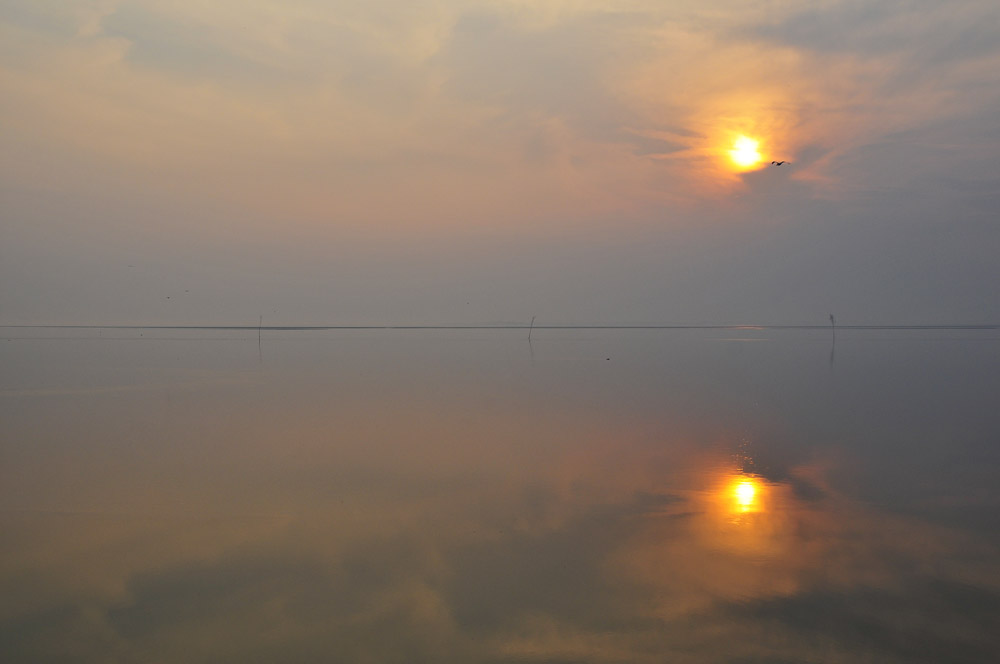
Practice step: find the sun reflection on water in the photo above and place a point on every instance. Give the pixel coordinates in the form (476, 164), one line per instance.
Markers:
(740, 497)
(745, 493)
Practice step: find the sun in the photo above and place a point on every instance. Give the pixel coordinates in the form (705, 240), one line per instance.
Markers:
(744, 153)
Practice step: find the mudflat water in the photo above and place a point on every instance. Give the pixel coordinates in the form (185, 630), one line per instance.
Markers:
(720, 495)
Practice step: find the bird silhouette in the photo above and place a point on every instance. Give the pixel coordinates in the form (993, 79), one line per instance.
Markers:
(777, 163)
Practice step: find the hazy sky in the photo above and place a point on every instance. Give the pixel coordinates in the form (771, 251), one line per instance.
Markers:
(400, 161)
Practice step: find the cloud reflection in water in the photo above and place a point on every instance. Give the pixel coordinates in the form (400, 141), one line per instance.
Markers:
(442, 498)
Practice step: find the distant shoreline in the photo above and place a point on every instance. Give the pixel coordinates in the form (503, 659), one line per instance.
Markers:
(518, 326)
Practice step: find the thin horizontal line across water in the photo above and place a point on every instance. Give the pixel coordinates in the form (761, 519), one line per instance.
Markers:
(517, 326)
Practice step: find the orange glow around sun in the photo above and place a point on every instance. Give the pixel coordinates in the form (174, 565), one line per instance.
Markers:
(744, 153)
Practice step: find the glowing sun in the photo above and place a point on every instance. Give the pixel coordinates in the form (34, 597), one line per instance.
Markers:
(744, 153)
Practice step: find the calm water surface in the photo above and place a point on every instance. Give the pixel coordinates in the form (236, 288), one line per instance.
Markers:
(463, 496)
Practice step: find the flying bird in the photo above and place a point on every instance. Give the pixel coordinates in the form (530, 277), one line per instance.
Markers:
(777, 163)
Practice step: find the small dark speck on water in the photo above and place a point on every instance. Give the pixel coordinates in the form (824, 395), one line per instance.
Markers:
(607, 358)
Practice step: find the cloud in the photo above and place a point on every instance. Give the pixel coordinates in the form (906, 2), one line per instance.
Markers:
(319, 127)
(566, 508)
(928, 32)
(928, 621)
(320, 97)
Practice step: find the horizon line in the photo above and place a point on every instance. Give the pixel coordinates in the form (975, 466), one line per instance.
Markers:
(525, 326)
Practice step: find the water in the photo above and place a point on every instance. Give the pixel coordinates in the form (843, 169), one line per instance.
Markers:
(712, 495)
